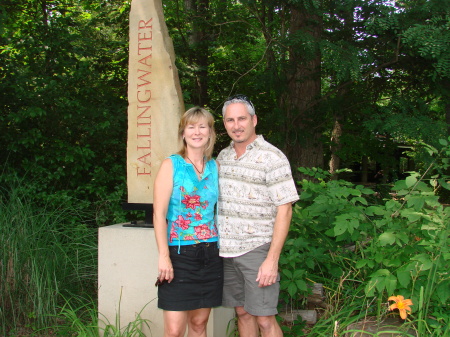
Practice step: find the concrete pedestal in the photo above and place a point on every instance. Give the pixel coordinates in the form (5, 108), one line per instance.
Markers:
(127, 271)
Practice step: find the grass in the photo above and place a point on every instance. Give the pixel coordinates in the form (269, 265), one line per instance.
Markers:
(48, 268)
(45, 253)
(79, 317)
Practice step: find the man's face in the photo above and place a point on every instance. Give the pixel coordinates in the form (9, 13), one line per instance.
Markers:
(239, 124)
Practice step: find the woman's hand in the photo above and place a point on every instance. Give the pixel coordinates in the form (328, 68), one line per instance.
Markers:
(165, 269)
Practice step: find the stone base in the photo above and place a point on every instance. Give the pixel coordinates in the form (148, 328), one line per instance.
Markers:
(127, 271)
(309, 316)
(390, 327)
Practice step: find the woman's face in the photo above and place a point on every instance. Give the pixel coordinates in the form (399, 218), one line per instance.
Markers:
(196, 135)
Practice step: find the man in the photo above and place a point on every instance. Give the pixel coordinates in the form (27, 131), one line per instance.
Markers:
(255, 210)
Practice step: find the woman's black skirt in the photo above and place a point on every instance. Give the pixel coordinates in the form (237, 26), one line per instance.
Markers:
(198, 278)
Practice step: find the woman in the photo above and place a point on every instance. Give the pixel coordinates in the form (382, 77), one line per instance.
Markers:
(185, 194)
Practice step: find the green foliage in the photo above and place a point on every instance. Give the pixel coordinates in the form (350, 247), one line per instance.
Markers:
(47, 250)
(63, 97)
(395, 246)
(430, 39)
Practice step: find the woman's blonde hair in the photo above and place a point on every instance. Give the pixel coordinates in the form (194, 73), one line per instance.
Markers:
(192, 116)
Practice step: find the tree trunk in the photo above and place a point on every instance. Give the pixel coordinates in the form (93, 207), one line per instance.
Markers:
(447, 117)
(335, 161)
(199, 40)
(304, 123)
(44, 13)
(364, 169)
(339, 117)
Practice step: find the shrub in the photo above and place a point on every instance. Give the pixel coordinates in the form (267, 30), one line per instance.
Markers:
(391, 246)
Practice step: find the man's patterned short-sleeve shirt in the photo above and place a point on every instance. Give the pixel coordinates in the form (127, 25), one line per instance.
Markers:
(251, 187)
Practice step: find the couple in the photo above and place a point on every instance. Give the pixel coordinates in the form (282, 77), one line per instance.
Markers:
(196, 270)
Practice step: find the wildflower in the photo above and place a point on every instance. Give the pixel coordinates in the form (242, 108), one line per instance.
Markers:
(401, 304)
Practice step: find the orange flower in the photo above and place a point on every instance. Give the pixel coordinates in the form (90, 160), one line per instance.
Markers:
(401, 304)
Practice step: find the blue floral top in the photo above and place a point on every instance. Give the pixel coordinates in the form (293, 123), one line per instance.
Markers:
(191, 215)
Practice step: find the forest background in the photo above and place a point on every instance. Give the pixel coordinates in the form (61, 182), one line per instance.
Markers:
(336, 84)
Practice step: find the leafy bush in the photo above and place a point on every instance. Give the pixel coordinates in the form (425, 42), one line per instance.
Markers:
(346, 236)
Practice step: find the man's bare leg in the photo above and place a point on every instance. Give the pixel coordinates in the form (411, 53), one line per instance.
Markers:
(247, 325)
(268, 326)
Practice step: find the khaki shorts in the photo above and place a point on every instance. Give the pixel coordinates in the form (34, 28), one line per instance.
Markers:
(241, 289)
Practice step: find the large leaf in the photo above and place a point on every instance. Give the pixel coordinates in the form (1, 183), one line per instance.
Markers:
(386, 238)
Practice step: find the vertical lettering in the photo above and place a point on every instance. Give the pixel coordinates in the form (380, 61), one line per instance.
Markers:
(145, 24)
(144, 95)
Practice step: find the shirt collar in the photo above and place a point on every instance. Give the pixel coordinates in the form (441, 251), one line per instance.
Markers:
(206, 171)
(256, 143)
